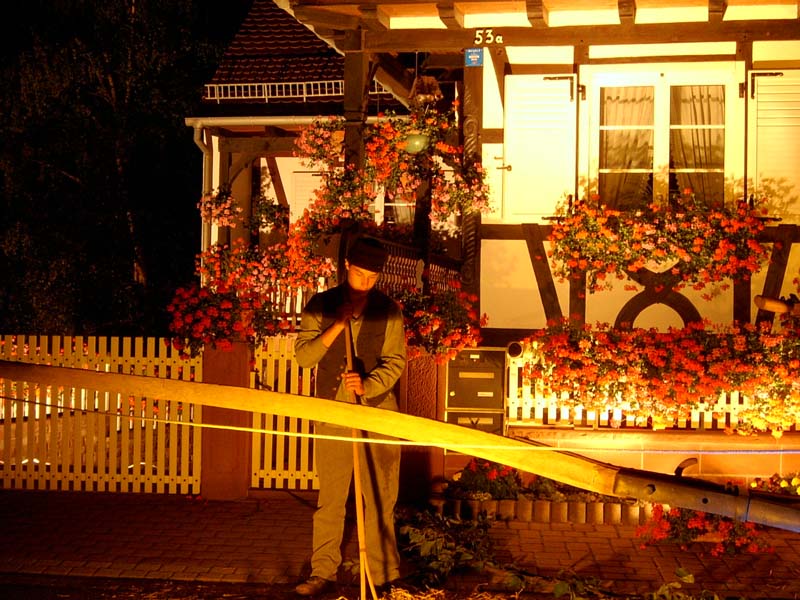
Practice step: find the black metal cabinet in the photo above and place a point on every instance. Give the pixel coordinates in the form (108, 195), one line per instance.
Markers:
(475, 389)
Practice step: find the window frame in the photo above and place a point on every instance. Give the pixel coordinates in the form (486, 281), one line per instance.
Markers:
(663, 76)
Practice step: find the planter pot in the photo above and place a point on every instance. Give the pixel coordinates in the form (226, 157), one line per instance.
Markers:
(541, 511)
(546, 511)
(660, 265)
(490, 508)
(416, 142)
(645, 512)
(594, 513)
(438, 505)
(506, 509)
(630, 514)
(471, 509)
(612, 514)
(576, 512)
(524, 509)
(559, 512)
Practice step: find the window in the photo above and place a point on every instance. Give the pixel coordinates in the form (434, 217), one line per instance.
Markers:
(697, 142)
(660, 136)
(626, 146)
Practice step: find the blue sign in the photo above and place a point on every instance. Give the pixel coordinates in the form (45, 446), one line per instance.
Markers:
(473, 57)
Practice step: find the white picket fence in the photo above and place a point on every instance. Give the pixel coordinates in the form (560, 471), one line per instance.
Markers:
(528, 405)
(282, 460)
(75, 439)
(59, 438)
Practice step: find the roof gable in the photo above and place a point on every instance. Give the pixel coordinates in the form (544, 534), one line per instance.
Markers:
(272, 46)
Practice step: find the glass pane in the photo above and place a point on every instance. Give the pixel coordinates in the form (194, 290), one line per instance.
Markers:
(697, 105)
(697, 149)
(626, 149)
(625, 191)
(708, 188)
(399, 214)
(631, 105)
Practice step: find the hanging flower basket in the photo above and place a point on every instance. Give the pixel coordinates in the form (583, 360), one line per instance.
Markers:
(416, 142)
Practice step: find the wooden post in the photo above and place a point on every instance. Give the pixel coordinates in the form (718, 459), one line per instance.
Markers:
(225, 455)
(471, 130)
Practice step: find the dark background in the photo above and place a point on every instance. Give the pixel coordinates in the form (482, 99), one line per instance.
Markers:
(99, 175)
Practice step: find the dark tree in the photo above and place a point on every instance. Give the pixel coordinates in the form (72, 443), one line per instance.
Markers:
(99, 175)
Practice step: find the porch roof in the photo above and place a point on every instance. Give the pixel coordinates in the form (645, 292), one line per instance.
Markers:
(436, 34)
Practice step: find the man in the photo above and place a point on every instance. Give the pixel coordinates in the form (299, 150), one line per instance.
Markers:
(379, 357)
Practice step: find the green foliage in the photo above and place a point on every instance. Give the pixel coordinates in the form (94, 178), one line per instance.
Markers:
(438, 546)
(574, 587)
(485, 478)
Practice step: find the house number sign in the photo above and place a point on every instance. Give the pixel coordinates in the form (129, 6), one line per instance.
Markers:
(487, 37)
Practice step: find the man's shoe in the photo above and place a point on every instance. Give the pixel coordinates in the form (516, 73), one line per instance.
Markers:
(313, 585)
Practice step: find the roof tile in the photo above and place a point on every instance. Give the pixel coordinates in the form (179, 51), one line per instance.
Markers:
(271, 46)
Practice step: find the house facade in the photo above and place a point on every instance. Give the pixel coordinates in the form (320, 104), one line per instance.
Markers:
(621, 104)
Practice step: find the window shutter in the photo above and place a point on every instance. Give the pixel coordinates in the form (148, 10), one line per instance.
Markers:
(540, 145)
(775, 141)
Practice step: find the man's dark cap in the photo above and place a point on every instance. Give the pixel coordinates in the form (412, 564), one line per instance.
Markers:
(367, 253)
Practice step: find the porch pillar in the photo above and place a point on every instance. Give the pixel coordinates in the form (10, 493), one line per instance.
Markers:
(421, 393)
(473, 124)
(356, 90)
(225, 456)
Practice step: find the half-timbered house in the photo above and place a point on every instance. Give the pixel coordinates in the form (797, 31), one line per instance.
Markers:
(624, 103)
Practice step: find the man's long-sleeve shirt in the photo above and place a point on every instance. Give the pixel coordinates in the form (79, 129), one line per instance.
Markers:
(309, 351)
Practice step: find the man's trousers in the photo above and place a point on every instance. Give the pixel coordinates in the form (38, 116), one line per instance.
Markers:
(380, 474)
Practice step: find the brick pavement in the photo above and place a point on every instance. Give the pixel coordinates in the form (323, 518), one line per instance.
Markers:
(268, 539)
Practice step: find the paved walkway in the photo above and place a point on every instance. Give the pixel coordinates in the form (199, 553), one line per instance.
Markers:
(267, 541)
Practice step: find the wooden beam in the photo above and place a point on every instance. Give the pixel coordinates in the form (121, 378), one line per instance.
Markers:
(356, 90)
(369, 18)
(501, 69)
(277, 182)
(537, 13)
(447, 13)
(258, 145)
(627, 11)
(325, 19)
(393, 76)
(716, 10)
(546, 286)
(456, 40)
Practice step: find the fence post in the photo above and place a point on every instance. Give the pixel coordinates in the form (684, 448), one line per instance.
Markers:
(225, 471)
(421, 393)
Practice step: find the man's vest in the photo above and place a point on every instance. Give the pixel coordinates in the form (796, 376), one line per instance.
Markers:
(370, 341)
